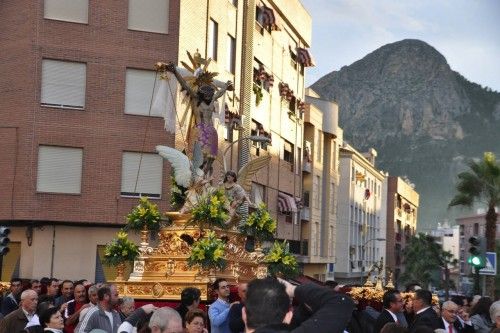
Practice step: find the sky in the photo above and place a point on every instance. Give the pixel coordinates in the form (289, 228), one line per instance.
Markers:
(466, 32)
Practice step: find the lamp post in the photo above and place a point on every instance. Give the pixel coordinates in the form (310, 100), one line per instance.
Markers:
(255, 138)
(379, 239)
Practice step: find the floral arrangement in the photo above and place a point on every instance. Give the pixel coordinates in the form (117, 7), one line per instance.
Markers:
(212, 210)
(208, 252)
(120, 250)
(260, 224)
(280, 261)
(4, 286)
(145, 214)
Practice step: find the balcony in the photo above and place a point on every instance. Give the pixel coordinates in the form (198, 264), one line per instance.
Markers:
(305, 214)
(306, 167)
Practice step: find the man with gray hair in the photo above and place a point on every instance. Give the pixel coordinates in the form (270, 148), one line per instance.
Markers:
(495, 314)
(166, 320)
(127, 306)
(16, 321)
(453, 320)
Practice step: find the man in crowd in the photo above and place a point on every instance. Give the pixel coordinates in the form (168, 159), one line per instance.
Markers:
(52, 291)
(166, 320)
(66, 293)
(103, 316)
(236, 324)
(450, 320)
(219, 309)
(190, 300)
(127, 306)
(16, 321)
(393, 304)
(92, 293)
(11, 302)
(424, 314)
(267, 307)
(74, 308)
(36, 286)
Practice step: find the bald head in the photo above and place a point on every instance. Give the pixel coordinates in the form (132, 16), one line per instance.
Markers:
(29, 300)
(165, 320)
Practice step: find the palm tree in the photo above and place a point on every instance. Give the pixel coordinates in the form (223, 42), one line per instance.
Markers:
(482, 184)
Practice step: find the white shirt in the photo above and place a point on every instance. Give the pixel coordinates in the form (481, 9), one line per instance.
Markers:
(110, 316)
(446, 324)
(422, 310)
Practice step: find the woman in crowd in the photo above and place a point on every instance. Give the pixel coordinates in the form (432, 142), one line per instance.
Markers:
(480, 315)
(195, 321)
(52, 320)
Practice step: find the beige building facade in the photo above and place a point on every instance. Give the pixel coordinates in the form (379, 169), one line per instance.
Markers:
(361, 220)
(320, 172)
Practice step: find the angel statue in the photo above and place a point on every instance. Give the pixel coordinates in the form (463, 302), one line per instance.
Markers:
(237, 190)
(203, 96)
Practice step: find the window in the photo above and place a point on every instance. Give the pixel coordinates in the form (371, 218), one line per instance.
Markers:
(59, 169)
(231, 54)
(257, 193)
(213, 36)
(306, 199)
(139, 85)
(63, 84)
(66, 10)
(288, 152)
(151, 15)
(141, 174)
(317, 184)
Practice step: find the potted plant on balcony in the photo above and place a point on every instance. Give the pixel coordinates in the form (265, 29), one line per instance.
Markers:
(259, 225)
(120, 251)
(280, 261)
(144, 217)
(208, 254)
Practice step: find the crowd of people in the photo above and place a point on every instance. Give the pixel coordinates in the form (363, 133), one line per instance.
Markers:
(264, 306)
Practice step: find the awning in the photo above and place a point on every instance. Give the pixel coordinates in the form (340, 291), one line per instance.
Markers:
(267, 18)
(304, 57)
(286, 203)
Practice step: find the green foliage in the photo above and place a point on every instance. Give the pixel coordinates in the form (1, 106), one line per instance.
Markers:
(120, 250)
(260, 224)
(208, 252)
(423, 257)
(144, 214)
(280, 262)
(212, 210)
(177, 195)
(257, 90)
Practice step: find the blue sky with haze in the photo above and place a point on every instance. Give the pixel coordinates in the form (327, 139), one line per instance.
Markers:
(466, 32)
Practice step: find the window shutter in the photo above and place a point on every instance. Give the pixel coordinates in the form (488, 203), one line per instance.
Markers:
(67, 10)
(150, 15)
(138, 92)
(59, 169)
(63, 84)
(149, 182)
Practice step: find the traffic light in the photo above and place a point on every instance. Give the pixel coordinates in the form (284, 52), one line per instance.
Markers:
(477, 252)
(4, 240)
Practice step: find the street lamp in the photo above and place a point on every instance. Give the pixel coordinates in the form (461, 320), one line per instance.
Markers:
(379, 239)
(255, 138)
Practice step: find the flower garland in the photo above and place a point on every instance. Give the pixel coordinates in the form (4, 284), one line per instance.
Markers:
(260, 224)
(144, 214)
(211, 211)
(208, 252)
(120, 250)
(280, 261)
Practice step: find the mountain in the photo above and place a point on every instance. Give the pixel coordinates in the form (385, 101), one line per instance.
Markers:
(424, 119)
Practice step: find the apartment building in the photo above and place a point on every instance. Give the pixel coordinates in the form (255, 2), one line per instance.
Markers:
(320, 172)
(361, 220)
(402, 214)
(77, 136)
(77, 128)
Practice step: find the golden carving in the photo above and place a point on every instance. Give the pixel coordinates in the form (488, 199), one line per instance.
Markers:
(157, 290)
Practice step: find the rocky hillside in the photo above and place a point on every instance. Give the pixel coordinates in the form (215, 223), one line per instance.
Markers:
(424, 119)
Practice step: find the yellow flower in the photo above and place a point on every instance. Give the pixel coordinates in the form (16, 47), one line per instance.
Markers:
(142, 211)
(122, 234)
(218, 253)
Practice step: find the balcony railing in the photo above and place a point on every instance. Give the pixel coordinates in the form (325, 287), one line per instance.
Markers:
(306, 167)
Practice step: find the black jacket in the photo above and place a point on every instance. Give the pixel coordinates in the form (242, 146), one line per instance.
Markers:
(236, 324)
(384, 318)
(331, 311)
(459, 327)
(428, 318)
